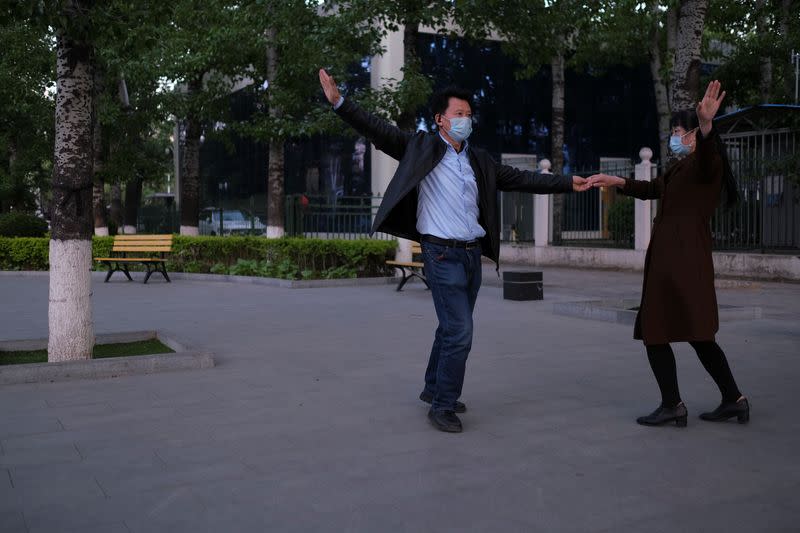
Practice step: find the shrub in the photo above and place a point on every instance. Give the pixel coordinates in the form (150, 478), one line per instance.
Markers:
(288, 258)
(24, 253)
(22, 225)
(620, 220)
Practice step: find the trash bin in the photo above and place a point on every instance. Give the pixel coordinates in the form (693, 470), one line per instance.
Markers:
(522, 286)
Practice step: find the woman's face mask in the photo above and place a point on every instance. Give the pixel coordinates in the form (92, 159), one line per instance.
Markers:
(677, 140)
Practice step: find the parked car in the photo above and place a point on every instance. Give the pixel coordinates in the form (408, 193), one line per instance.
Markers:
(234, 222)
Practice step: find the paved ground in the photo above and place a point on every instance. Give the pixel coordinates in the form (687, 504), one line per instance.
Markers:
(310, 422)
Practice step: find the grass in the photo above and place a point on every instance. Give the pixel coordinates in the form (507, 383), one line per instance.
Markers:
(100, 351)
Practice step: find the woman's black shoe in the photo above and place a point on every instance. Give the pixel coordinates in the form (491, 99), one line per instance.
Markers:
(662, 415)
(726, 410)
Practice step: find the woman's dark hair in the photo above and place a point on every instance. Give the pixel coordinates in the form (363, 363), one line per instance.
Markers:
(730, 196)
(686, 119)
(441, 99)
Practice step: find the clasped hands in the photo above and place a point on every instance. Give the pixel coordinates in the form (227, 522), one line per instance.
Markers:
(580, 184)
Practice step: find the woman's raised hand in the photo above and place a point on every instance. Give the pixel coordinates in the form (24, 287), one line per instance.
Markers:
(329, 87)
(707, 107)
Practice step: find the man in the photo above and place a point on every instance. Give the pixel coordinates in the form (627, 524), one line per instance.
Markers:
(444, 195)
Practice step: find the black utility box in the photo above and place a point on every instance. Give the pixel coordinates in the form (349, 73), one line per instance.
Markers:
(522, 286)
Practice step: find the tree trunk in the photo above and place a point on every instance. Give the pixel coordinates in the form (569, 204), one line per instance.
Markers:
(71, 335)
(115, 213)
(765, 62)
(133, 197)
(275, 196)
(275, 171)
(788, 78)
(659, 86)
(557, 141)
(12, 160)
(98, 152)
(406, 119)
(190, 177)
(686, 71)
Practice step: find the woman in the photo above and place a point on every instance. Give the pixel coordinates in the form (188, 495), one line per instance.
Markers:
(679, 303)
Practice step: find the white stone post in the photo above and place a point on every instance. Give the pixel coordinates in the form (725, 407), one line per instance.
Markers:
(542, 207)
(642, 219)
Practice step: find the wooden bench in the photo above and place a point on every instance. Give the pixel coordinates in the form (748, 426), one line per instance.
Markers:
(142, 247)
(410, 269)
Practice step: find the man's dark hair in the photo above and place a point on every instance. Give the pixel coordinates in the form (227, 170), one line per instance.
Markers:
(686, 119)
(441, 99)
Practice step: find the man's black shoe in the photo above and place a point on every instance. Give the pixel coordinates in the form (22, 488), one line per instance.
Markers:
(445, 421)
(427, 397)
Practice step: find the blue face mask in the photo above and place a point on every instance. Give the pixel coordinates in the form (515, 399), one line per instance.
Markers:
(677, 147)
(460, 128)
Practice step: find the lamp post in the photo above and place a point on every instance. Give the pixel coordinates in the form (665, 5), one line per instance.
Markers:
(796, 63)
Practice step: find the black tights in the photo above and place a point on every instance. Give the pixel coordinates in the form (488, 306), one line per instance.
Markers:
(662, 361)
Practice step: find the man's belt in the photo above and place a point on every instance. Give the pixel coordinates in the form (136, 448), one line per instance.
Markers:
(451, 243)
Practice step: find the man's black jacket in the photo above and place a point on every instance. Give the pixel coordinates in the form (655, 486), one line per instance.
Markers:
(418, 154)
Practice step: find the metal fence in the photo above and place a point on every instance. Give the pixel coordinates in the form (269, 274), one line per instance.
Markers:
(598, 217)
(339, 217)
(767, 170)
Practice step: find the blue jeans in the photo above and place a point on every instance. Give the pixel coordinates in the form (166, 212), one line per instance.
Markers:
(454, 277)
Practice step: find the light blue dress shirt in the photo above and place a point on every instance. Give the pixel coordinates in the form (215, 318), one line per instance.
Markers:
(448, 199)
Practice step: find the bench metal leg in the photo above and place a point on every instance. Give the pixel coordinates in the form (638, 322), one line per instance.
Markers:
(404, 279)
(411, 274)
(116, 268)
(110, 271)
(162, 268)
(149, 272)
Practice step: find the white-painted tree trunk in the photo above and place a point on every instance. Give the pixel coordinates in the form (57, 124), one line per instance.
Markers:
(71, 334)
(70, 309)
(128, 229)
(275, 232)
(276, 191)
(191, 231)
(101, 231)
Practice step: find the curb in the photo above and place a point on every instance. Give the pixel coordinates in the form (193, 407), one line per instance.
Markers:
(182, 359)
(619, 311)
(224, 278)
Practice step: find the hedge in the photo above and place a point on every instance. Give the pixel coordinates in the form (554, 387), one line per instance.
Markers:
(22, 225)
(289, 258)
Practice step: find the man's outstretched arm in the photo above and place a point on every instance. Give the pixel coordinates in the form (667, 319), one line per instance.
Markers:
(513, 179)
(386, 137)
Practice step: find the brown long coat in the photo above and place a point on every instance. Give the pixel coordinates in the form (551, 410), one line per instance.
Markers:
(679, 302)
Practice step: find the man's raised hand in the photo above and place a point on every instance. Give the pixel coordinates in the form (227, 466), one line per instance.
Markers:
(329, 87)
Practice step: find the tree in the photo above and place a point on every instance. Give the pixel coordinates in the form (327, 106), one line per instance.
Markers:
(558, 28)
(27, 74)
(755, 36)
(289, 42)
(70, 312)
(199, 47)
